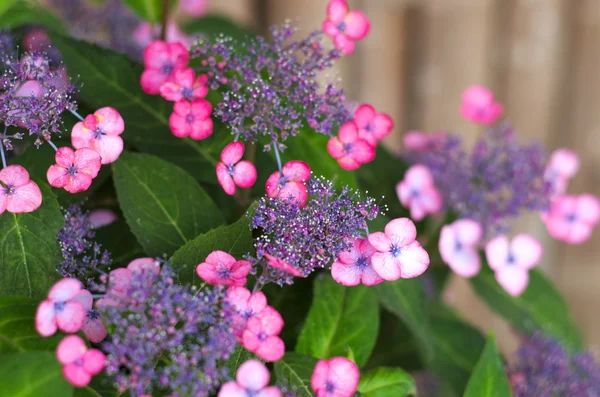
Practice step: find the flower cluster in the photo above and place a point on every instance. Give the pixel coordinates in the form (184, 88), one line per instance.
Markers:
(544, 368)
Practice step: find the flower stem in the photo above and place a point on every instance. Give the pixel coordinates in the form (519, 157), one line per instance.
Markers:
(166, 5)
(76, 115)
(277, 155)
(3, 155)
(53, 145)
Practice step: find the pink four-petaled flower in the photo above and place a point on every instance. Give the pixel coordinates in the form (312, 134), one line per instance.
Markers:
(100, 131)
(246, 304)
(417, 191)
(348, 149)
(354, 266)
(93, 327)
(458, 246)
(562, 166)
(398, 254)
(479, 105)
(184, 85)
(372, 126)
(252, 379)
(79, 362)
(161, 60)
(261, 335)
(345, 26)
(573, 218)
(290, 182)
(232, 172)
(221, 268)
(336, 377)
(191, 119)
(61, 310)
(74, 170)
(17, 192)
(511, 260)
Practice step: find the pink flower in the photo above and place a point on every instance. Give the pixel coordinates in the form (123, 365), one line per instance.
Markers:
(74, 171)
(17, 193)
(562, 166)
(458, 246)
(336, 377)
(61, 310)
(80, 363)
(354, 266)
(120, 280)
(348, 149)
(93, 327)
(191, 119)
(372, 127)
(290, 182)
(421, 141)
(232, 172)
(193, 8)
(220, 268)
(479, 105)
(573, 218)
(398, 253)
(184, 85)
(246, 304)
(260, 335)
(100, 131)
(283, 266)
(161, 60)
(417, 191)
(102, 217)
(345, 26)
(511, 260)
(251, 379)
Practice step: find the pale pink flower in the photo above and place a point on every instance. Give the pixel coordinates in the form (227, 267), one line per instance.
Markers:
(17, 192)
(345, 26)
(246, 304)
(220, 268)
(191, 119)
(422, 141)
(348, 149)
(562, 166)
(184, 85)
(480, 106)
(232, 172)
(161, 60)
(290, 182)
(354, 266)
(398, 254)
(79, 362)
(74, 170)
(102, 217)
(573, 218)
(252, 379)
(261, 335)
(511, 260)
(120, 280)
(372, 126)
(417, 191)
(61, 310)
(283, 266)
(459, 246)
(193, 8)
(100, 131)
(93, 327)
(336, 377)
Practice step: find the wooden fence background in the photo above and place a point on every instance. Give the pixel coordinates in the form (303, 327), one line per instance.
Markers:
(542, 58)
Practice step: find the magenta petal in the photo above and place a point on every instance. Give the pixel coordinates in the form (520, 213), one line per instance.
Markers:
(335, 148)
(272, 184)
(337, 10)
(294, 190)
(344, 374)
(230, 389)
(109, 147)
(357, 25)
(363, 115)
(588, 209)
(400, 231)
(64, 289)
(296, 171)
(225, 179)
(244, 174)
(362, 152)
(370, 277)
(45, 324)
(344, 44)
(270, 391)
(102, 217)
(380, 241)
(253, 375)
(383, 125)
(70, 318)
(93, 361)
(71, 348)
(25, 198)
(348, 132)
(346, 274)
(232, 153)
(110, 121)
(94, 329)
(151, 80)
(272, 349)
(76, 375)
(14, 175)
(218, 257)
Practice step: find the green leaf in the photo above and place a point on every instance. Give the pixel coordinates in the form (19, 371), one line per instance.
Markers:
(384, 382)
(86, 392)
(24, 13)
(488, 378)
(120, 241)
(235, 239)
(29, 250)
(339, 319)
(406, 299)
(32, 374)
(540, 307)
(17, 331)
(296, 370)
(216, 25)
(149, 10)
(239, 356)
(162, 203)
(5, 5)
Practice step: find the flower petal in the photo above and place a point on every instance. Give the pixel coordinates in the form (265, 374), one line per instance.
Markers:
(93, 361)
(526, 250)
(513, 279)
(357, 25)
(380, 241)
(25, 198)
(496, 252)
(244, 174)
(386, 265)
(253, 375)
(346, 274)
(414, 260)
(45, 323)
(401, 231)
(232, 153)
(296, 171)
(71, 348)
(70, 319)
(225, 179)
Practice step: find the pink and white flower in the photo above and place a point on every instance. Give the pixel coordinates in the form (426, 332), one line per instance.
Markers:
(417, 191)
(100, 131)
(480, 106)
(232, 172)
(79, 362)
(290, 182)
(246, 304)
(573, 218)
(191, 119)
(161, 60)
(348, 149)
(399, 254)
(511, 260)
(372, 126)
(74, 170)
(345, 26)
(18, 193)
(458, 246)
(562, 166)
(61, 309)
(220, 268)
(261, 335)
(184, 85)
(252, 379)
(354, 267)
(336, 377)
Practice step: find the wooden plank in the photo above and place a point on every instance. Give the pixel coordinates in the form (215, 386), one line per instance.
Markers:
(242, 11)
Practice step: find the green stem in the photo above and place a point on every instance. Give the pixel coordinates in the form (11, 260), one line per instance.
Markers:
(164, 18)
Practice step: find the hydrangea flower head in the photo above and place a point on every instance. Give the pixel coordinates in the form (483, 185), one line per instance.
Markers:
(161, 60)
(79, 362)
(191, 119)
(61, 310)
(573, 218)
(290, 183)
(232, 171)
(336, 377)
(354, 267)
(345, 26)
(184, 85)
(348, 149)
(18, 193)
(458, 246)
(372, 126)
(480, 106)
(74, 170)
(511, 260)
(417, 191)
(220, 268)
(252, 379)
(100, 131)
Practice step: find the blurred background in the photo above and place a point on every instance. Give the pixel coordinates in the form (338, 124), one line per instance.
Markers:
(541, 57)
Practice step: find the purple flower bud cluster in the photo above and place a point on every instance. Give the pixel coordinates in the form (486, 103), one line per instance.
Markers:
(82, 257)
(167, 337)
(543, 368)
(33, 95)
(309, 237)
(272, 85)
(497, 181)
